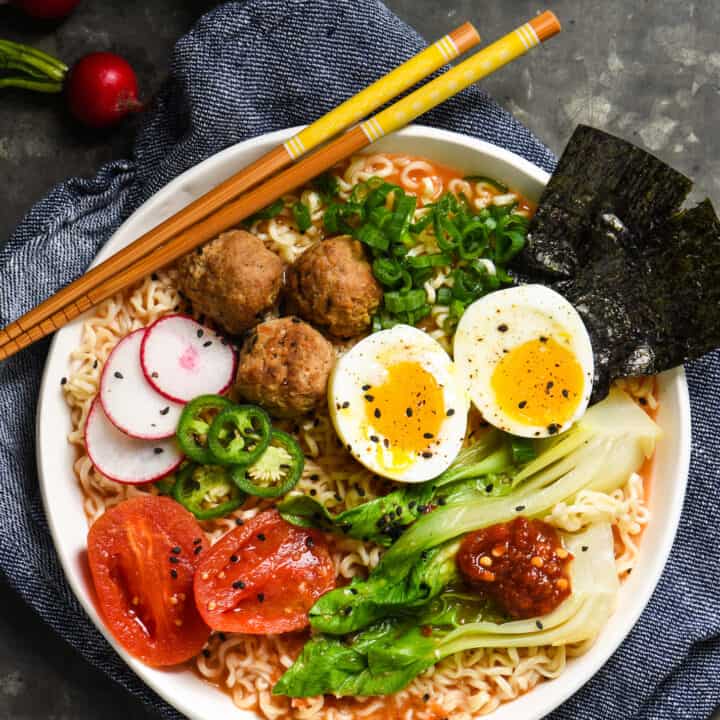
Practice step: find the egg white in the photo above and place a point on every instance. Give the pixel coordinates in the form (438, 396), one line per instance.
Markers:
(366, 364)
(525, 313)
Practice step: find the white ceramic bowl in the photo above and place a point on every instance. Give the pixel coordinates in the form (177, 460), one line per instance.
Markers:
(61, 493)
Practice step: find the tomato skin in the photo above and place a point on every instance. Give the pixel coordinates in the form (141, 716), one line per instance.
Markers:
(145, 597)
(263, 577)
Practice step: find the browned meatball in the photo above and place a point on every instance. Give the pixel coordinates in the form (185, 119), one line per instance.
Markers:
(332, 285)
(234, 280)
(284, 366)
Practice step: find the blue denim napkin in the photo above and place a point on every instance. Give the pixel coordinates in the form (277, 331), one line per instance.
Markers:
(245, 69)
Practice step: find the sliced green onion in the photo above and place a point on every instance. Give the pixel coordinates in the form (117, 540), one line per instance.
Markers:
(301, 213)
(397, 302)
(428, 261)
(523, 450)
(372, 237)
(487, 181)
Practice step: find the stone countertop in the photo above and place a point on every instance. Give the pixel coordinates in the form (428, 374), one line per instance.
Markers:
(648, 71)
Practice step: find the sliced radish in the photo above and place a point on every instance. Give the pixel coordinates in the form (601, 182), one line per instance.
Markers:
(125, 459)
(182, 359)
(129, 400)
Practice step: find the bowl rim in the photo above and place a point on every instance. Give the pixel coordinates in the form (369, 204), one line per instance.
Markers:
(540, 703)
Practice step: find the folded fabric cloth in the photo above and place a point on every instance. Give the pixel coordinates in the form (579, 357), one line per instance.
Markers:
(245, 69)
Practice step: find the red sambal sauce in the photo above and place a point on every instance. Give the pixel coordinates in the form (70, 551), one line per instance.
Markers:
(521, 564)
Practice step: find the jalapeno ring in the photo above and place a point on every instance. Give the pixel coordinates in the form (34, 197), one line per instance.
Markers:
(239, 435)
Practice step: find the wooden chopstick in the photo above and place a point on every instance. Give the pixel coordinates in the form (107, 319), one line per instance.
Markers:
(483, 63)
(50, 315)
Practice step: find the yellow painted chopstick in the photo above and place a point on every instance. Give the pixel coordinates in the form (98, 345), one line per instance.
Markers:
(49, 316)
(453, 81)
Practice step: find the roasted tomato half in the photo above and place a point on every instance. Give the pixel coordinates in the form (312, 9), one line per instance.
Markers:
(263, 577)
(143, 554)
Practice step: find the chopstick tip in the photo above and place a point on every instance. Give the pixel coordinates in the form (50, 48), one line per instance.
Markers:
(546, 25)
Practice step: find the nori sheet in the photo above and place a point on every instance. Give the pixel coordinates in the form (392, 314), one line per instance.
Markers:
(597, 174)
(644, 277)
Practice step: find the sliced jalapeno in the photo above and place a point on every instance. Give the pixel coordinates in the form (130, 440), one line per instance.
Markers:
(207, 491)
(194, 425)
(239, 435)
(276, 471)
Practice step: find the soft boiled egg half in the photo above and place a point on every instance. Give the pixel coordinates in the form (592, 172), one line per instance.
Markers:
(527, 360)
(398, 406)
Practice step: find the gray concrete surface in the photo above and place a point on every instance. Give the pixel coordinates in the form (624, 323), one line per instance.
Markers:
(644, 69)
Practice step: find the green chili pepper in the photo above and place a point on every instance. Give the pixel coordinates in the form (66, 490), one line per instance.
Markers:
(239, 435)
(276, 472)
(194, 425)
(203, 489)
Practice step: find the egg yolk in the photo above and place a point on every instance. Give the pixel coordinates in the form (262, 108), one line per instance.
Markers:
(539, 383)
(407, 409)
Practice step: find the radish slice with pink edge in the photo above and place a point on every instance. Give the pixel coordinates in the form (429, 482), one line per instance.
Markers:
(182, 359)
(127, 460)
(129, 401)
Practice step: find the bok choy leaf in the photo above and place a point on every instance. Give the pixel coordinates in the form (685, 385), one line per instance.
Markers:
(600, 452)
(385, 657)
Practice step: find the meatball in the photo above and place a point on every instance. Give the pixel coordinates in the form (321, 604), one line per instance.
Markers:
(234, 280)
(284, 366)
(332, 285)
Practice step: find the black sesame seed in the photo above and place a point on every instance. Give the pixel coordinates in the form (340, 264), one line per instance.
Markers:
(565, 393)
(374, 438)
(118, 375)
(176, 550)
(95, 364)
(338, 497)
(428, 436)
(377, 412)
(222, 636)
(173, 574)
(409, 412)
(174, 560)
(365, 388)
(543, 339)
(642, 401)
(349, 447)
(386, 442)
(522, 404)
(198, 550)
(519, 508)
(207, 344)
(200, 333)
(426, 697)
(314, 477)
(63, 381)
(313, 492)
(585, 548)
(158, 451)
(309, 542)
(197, 541)
(238, 585)
(502, 328)
(427, 455)
(233, 558)
(412, 504)
(239, 521)
(450, 412)
(629, 570)
(553, 428)
(206, 653)
(165, 410)
(369, 398)
(353, 591)
(346, 404)
(422, 509)
(261, 537)
(538, 625)
(489, 488)
(154, 375)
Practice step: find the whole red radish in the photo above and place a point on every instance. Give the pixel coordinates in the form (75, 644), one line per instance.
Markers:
(102, 89)
(46, 9)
